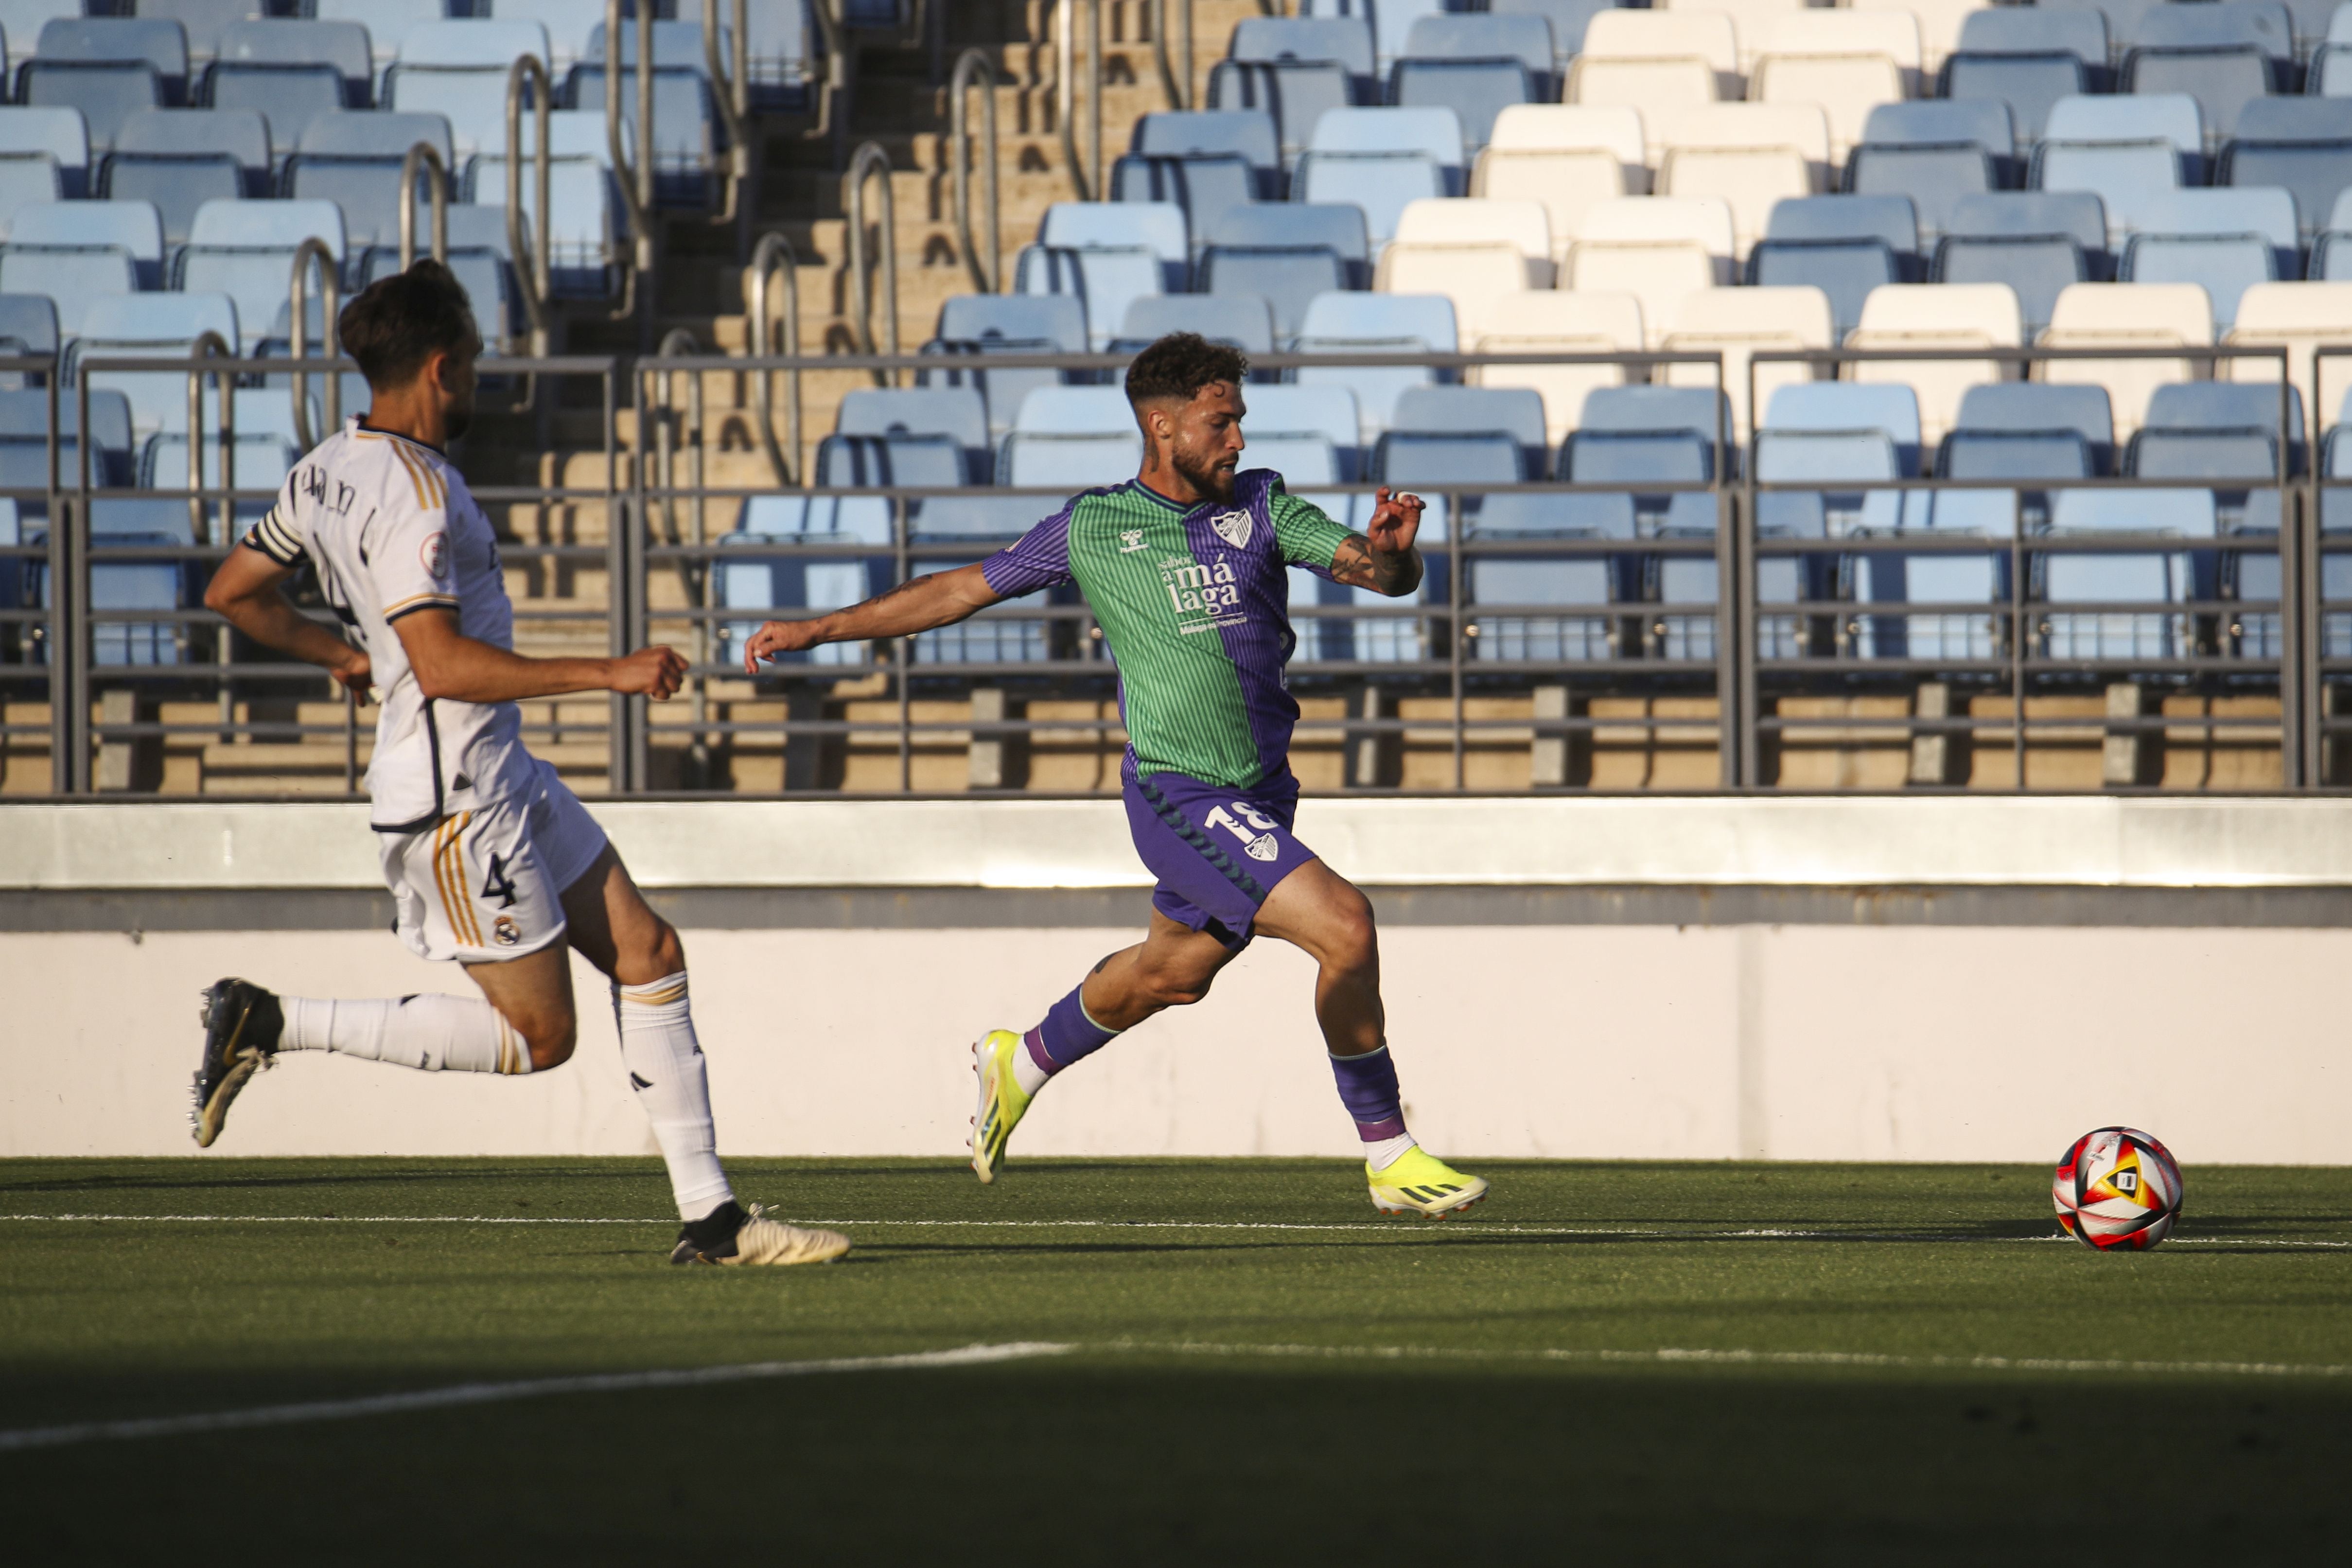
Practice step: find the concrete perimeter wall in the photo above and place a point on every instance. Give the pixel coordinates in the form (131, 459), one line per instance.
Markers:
(1705, 978)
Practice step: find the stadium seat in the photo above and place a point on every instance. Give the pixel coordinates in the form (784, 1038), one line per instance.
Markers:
(2227, 240)
(1849, 62)
(2029, 57)
(1752, 155)
(958, 413)
(2022, 409)
(388, 22)
(1844, 246)
(1937, 153)
(354, 159)
(1569, 19)
(685, 132)
(1248, 134)
(162, 325)
(478, 254)
(2126, 315)
(106, 67)
(1072, 437)
(1473, 65)
(1514, 413)
(1242, 321)
(102, 228)
(2301, 317)
(290, 72)
(1107, 255)
(1591, 581)
(76, 278)
(1203, 186)
(980, 324)
(31, 138)
(263, 459)
(1657, 248)
(2155, 578)
(585, 222)
(2225, 55)
(1738, 323)
(178, 159)
(1937, 316)
(1474, 251)
(29, 330)
(1645, 436)
(2244, 432)
(2123, 149)
(1582, 321)
(245, 250)
(2024, 431)
(1294, 68)
(787, 583)
(458, 70)
(2037, 242)
(1649, 59)
(1381, 159)
(1375, 323)
(1285, 255)
(2302, 145)
(1841, 432)
(1940, 25)
(1567, 156)
(776, 36)
(24, 441)
(1392, 22)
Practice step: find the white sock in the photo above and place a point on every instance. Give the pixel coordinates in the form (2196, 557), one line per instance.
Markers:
(666, 1069)
(1025, 1070)
(432, 1033)
(1383, 1154)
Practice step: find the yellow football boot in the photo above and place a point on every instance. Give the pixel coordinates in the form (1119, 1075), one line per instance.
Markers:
(1417, 1182)
(1003, 1103)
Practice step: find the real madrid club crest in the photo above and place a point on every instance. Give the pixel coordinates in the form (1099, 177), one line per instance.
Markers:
(505, 930)
(1233, 527)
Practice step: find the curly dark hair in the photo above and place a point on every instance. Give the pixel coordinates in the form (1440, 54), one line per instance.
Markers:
(399, 322)
(1178, 365)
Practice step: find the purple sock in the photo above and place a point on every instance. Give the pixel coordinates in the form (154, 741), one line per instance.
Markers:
(1368, 1088)
(1066, 1035)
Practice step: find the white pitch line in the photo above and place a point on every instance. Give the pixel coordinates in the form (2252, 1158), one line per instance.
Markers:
(1462, 1228)
(1671, 1356)
(499, 1392)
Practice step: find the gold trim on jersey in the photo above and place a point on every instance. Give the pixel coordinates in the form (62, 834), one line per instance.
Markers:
(449, 877)
(432, 490)
(400, 607)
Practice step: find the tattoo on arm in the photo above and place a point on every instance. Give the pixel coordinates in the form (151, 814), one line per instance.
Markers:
(1359, 565)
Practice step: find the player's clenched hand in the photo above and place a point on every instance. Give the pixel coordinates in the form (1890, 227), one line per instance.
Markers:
(778, 637)
(655, 672)
(1396, 519)
(355, 674)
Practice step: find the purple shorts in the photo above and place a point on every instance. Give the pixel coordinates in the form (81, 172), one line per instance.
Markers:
(1217, 852)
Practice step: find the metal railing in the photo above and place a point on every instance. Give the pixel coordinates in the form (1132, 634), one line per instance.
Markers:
(1089, 187)
(774, 256)
(635, 179)
(313, 253)
(870, 161)
(423, 155)
(531, 242)
(987, 278)
(730, 90)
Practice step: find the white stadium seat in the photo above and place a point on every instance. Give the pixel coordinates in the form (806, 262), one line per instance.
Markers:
(1937, 316)
(2128, 315)
(1586, 322)
(1750, 19)
(1750, 155)
(2301, 316)
(1939, 25)
(1648, 59)
(1849, 62)
(1472, 251)
(1741, 322)
(1658, 249)
(1567, 156)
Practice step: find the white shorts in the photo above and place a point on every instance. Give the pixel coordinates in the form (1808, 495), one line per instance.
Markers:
(486, 885)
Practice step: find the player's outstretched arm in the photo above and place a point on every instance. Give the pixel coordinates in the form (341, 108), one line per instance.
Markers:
(245, 591)
(448, 663)
(1382, 557)
(918, 605)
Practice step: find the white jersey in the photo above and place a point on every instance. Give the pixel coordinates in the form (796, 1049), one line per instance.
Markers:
(392, 530)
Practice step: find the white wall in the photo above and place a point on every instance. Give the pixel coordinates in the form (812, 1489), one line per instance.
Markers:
(1797, 1042)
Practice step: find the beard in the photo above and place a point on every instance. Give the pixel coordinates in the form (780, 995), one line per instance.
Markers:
(1213, 478)
(457, 420)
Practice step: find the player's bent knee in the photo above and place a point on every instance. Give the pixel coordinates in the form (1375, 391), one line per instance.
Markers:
(550, 1036)
(668, 953)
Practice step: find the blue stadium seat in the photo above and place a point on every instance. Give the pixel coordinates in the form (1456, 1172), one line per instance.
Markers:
(354, 160)
(686, 129)
(290, 72)
(1392, 21)
(478, 254)
(160, 325)
(1294, 68)
(1381, 159)
(1474, 65)
(2123, 149)
(1243, 320)
(1072, 437)
(130, 228)
(1586, 581)
(2302, 145)
(245, 250)
(586, 221)
(388, 22)
(786, 583)
(1374, 323)
(106, 67)
(2225, 55)
(458, 70)
(1637, 435)
(1285, 255)
(263, 459)
(1516, 413)
(44, 147)
(1323, 413)
(1839, 431)
(2154, 578)
(24, 417)
(1107, 255)
(202, 22)
(1249, 134)
(133, 589)
(2025, 410)
(1844, 246)
(76, 279)
(1567, 19)
(2225, 431)
(29, 330)
(180, 159)
(958, 413)
(2037, 242)
(2027, 56)
(779, 43)
(979, 324)
(2227, 240)
(1203, 186)
(1932, 154)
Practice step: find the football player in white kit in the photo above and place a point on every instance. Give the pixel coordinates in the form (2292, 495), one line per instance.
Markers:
(490, 859)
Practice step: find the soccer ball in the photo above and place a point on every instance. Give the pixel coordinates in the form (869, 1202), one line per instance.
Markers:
(2118, 1188)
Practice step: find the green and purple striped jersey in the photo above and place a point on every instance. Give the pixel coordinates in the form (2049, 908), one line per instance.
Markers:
(1195, 605)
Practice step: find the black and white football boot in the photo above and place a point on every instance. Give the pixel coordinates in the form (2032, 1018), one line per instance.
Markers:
(732, 1235)
(242, 1025)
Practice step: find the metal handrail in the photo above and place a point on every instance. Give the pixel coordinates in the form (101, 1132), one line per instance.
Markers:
(1179, 97)
(1066, 90)
(774, 254)
(314, 250)
(731, 90)
(210, 346)
(531, 251)
(425, 154)
(635, 180)
(971, 63)
(870, 160)
(693, 572)
(831, 40)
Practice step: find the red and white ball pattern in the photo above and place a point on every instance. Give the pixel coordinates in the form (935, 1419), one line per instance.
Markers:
(2118, 1188)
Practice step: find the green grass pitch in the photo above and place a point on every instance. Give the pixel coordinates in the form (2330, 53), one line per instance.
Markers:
(1670, 1363)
